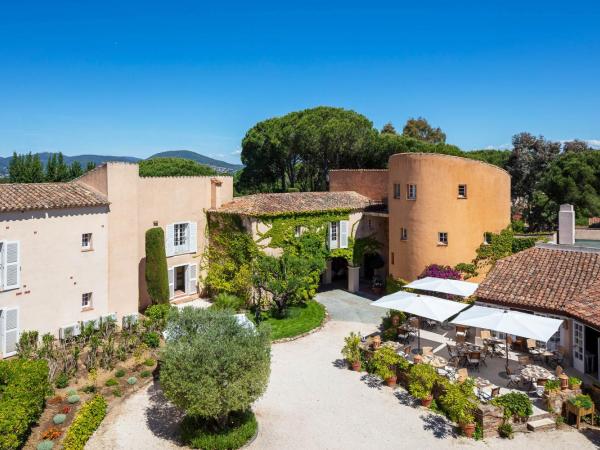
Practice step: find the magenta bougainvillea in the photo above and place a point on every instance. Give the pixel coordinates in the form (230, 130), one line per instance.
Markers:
(438, 271)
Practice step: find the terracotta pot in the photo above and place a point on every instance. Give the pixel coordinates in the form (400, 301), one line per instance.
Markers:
(395, 321)
(468, 429)
(356, 366)
(391, 381)
(426, 402)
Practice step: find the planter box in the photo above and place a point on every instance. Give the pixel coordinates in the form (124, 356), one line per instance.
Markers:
(580, 412)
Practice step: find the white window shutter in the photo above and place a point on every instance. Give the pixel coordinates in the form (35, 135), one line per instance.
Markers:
(343, 234)
(192, 279)
(11, 331)
(12, 266)
(193, 227)
(171, 282)
(170, 240)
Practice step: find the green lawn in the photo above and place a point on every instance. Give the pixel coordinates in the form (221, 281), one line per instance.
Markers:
(300, 319)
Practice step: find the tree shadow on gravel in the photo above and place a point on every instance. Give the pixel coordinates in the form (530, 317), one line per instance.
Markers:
(340, 364)
(405, 398)
(162, 417)
(438, 425)
(372, 381)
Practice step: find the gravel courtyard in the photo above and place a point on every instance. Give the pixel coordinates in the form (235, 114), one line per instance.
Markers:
(314, 402)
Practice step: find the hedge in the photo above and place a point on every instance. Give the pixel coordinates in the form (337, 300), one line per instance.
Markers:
(23, 389)
(88, 419)
(157, 277)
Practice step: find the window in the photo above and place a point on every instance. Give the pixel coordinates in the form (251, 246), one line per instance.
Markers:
(392, 258)
(10, 265)
(486, 238)
(181, 239)
(334, 231)
(86, 300)
(578, 339)
(297, 231)
(443, 238)
(338, 234)
(462, 191)
(86, 241)
(396, 191)
(403, 234)
(411, 191)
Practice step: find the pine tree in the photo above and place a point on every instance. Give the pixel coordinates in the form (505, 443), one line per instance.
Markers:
(51, 168)
(75, 170)
(62, 170)
(91, 165)
(15, 168)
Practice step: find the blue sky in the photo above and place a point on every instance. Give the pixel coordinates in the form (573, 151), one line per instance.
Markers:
(135, 78)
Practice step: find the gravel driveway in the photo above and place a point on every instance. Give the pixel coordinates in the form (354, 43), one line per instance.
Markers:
(314, 402)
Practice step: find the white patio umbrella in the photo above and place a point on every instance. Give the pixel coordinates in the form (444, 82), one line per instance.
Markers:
(421, 305)
(453, 287)
(510, 322)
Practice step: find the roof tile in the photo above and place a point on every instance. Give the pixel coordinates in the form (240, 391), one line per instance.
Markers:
(30, 196)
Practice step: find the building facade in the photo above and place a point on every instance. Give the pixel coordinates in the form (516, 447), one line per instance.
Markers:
(75, 252)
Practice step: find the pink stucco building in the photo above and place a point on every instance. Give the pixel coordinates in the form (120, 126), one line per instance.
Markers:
(74, 252)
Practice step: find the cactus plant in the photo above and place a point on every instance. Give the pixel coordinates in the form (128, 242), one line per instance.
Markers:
(73, 398)
(131, 380)
(120, 373)
(71, 392)
(59, 418)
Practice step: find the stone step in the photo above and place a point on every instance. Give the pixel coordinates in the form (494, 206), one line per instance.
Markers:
(541, 425)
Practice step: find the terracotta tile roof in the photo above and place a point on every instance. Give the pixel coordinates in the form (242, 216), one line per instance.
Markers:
(28, 196)
(564, 281)
(294, 202)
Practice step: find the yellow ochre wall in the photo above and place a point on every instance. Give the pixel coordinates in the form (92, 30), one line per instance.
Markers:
(438, 209)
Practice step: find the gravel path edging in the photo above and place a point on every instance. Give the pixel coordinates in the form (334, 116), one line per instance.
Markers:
(308, 333)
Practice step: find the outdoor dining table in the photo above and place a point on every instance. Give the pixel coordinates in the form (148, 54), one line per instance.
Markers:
(435, 361)
(533, 372)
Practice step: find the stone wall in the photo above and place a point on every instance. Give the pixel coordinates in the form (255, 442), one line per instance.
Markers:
(490, 418)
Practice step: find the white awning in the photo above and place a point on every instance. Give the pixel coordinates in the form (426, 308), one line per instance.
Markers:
(453, 287)
(510, 322)
(421, 305)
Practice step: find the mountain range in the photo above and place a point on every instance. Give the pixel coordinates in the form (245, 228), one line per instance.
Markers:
(219, 166)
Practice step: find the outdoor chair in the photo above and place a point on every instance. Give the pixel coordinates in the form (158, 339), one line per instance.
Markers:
(558, 358)
(453, 355)
(485, 396)
(460, 338)
(473, 360)
(403, 335)
(485, 352)
(513, 378)
(463, 374)
(461, 331)
(524, 360)
(485, 334)
(405, 352)
(479, 342)
(430, 323)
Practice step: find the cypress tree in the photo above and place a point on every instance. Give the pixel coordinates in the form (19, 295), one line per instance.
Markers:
(157, 277)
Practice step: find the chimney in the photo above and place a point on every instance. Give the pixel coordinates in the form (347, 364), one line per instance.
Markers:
(215, 193)
(566, 225)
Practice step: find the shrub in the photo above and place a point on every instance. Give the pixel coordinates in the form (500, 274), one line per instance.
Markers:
(228, 301)
(23, 386)
(131, 380)
(459, 401)
(145, 373)
(157, 315)
(439, 271)
(117, 392)
(151, 339)
(73, 399)
(71, 392)
(28, 344)
(387, 320)
(574, 381)
(59, 418)
(111, 382)
(518, 226)
(469, 270)
(149, 362)
(394, 285)
(88, 419)
(384, 361)
(213, 366)
(351, 349)
(506, 430)
(173, 167)
(52, 433)
(516, 404)
(198, 433)
(89, 389)
(552, 385)
(421, 379)
(62, 381)
(45, 445)
(582, 401)
(120, 373)
(157, 280)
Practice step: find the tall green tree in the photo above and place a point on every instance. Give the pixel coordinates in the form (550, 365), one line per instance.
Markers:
(156, 271)
(420, 129)
(576, 146)
(75, 170)
(529, 159)
(388, 128)
(496, 157)
(25, 169)
(91, 165)
(173, 167)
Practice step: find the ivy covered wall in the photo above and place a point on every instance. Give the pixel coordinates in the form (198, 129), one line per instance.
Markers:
(235, 242)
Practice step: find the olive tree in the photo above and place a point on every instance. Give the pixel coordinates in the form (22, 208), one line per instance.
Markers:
(214, 366)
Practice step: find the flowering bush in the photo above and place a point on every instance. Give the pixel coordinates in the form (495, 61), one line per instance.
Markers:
(438, 271)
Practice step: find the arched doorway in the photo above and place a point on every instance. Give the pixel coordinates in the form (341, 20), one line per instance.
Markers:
(371, 262)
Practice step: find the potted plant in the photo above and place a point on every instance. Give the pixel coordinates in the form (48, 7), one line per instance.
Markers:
(421, 379)
(574, 383)
(384, 363)
(552, 386)
(351, 351)
(506, 430)
(459, 402)
(516, 405)
(467, 422)
(581, 405)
